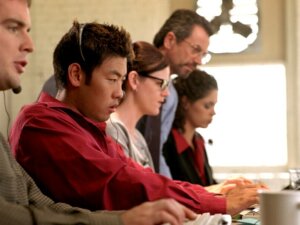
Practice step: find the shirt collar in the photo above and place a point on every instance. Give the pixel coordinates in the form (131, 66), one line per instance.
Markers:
(198, 140)
(180, 142)
(51, 102)
(182, 145)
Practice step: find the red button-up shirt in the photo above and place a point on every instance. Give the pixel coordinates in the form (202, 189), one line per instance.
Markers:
(73, 160)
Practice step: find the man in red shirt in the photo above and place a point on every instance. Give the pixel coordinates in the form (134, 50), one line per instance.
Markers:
(21, 202)
(62, 143)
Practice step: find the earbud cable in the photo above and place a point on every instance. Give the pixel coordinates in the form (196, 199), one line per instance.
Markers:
(7, 114)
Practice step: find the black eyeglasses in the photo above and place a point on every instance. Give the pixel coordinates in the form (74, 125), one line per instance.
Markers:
(163, 83)
(80, 40)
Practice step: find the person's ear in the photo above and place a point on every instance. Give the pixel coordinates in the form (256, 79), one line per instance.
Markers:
(185, 103)
(133, 80)
(75, 74)
(169, 40)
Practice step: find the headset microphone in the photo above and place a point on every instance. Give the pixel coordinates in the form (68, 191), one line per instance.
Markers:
(17, 90)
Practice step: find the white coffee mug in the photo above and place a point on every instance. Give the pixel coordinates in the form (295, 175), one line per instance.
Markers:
(280, 208)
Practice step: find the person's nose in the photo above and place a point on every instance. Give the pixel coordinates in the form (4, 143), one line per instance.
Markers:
(165, 92)
(27, 44)
(213, 112)
(198, 60)
(119, 92)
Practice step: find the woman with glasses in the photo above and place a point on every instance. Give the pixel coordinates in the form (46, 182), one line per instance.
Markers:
(145, 90)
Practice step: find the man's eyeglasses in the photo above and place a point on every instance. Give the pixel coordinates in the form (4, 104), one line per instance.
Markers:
(163, 83)
(197, 50)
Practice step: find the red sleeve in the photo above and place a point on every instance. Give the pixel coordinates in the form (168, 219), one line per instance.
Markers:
(70, 165)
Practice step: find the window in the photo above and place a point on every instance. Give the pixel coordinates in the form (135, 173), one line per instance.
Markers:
(235, 22)
(249, 128)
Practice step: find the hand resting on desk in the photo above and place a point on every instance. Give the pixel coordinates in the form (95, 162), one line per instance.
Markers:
(158, 212)
(227, 185)
(241, 197)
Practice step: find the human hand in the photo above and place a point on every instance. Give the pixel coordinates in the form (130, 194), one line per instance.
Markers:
(241, 197)
(220, 188)
(158, 212)
(227, 185)
(230, 184)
